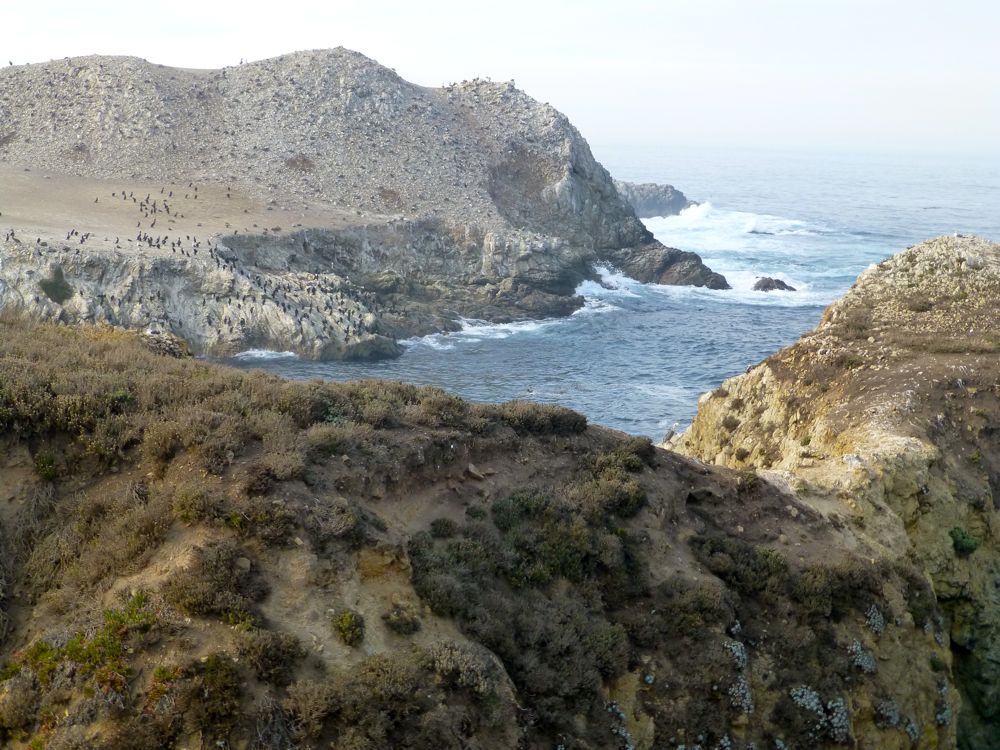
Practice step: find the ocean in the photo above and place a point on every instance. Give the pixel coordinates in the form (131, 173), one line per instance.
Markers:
(637, 356)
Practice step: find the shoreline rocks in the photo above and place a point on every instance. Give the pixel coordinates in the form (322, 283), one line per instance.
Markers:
(650, 200)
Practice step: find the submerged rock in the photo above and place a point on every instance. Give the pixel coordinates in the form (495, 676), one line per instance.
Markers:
(768, 284)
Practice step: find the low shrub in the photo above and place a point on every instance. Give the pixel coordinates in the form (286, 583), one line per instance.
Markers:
(541, 419)
(220, 581)
(402, 619)
(271, 656)
(161, 440)
(194, 503)
(328, 439)
(443, 528)
(19, 698)
(210, 698)
(45, 466)
(309, 703)
(963, 542)
(746, 568)
(270, 521)
(350, 626)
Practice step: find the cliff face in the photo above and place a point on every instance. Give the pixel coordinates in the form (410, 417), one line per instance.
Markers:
(648, 199)
(333, 141)
(192, 556)
(883, 419)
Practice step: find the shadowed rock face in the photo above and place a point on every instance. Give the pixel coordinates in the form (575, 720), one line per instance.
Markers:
(648, 199)
(497, 193)
(884, 418)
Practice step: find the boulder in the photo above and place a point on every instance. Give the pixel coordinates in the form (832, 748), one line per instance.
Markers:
(768, 284)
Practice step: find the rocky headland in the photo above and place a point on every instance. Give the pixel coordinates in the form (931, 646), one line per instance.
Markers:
(315, 202)
(650, 200)
(883, 420)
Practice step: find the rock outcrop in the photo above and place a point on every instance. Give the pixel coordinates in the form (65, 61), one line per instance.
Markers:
(884, 420)
(768, 284)
(649, 199)
(494, 198)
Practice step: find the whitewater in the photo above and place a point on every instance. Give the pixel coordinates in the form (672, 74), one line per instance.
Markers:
(637, 356)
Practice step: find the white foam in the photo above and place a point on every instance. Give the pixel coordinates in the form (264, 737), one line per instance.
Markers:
(480, 330)
(612, 284)
(594, 306)
(264, 354)
(705, 227)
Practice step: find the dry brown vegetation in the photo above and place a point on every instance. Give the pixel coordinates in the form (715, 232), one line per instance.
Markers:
(182, 496)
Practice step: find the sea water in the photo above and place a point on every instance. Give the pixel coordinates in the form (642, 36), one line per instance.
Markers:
(637, 356)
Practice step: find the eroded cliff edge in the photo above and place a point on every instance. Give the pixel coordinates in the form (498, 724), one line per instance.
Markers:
(884, 420)
(481, 201)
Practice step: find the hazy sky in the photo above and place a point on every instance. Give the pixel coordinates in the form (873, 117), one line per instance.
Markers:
(866, 74)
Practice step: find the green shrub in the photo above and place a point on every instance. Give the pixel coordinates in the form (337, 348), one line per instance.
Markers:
(963, 542)
(350, 626)
(210, 701)
(101, 655)
(45, 467)
(744, 567)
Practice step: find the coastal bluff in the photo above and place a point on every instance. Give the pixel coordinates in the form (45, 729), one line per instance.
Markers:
(314, 202)
(884, 420)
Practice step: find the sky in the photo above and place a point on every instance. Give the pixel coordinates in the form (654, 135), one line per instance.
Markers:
(864, 75)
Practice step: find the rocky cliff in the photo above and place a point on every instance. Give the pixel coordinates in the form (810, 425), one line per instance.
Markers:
(496, 192)
(884, 420)
(193, 556)
(649, 199)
